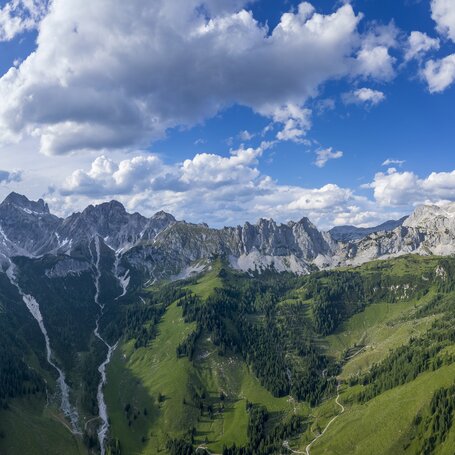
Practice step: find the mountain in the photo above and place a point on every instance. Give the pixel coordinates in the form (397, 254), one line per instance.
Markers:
(123, 334)
(25, 225)
(428, 230)
(350, 233)
(161, 247)
(118, 229)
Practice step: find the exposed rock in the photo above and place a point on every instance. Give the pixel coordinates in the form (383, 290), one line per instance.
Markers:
(161, 247)
(67, 266)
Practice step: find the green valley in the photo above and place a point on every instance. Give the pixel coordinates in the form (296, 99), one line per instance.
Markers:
(233, 363)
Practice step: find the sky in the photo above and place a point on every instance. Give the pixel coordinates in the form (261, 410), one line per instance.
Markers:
(223, 111)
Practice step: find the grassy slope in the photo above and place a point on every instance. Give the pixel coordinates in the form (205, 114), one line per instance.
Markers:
(208, 282)
(378, 427)
(381, 327)
(137, 377)
(33, 429)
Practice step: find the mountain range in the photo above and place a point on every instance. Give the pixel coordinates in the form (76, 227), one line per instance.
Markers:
(162, 247)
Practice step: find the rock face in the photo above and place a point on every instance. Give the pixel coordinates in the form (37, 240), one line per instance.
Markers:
(161, 247)
(25, 226)
(430, 229)
(109, 220)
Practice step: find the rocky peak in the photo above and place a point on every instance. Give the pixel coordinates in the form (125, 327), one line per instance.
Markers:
(22, 202)
(163, 216)
(26, 226)
(107, 210)
(433, 217)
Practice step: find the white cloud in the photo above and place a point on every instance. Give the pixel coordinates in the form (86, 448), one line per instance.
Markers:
(419, 44)
(220, 190)
(443, 13)
(9, 177)
(328, 196)
(376, 62)
(124, 72)
(394, 188)
(364, 95)
(322, 156)
(18, 16)
(390, 161)
(146, 172)
(246, 136)
(439, 74)
(106, 177)
(373, 59)
(296, 121)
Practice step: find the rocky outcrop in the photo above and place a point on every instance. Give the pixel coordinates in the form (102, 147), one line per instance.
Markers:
(25, 226)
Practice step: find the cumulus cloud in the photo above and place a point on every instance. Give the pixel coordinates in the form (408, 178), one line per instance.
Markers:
(419, 44)
(148, 172)
(443, 13)
(18, 16)
(9, 177)
(125, 72)
(393, 188)
(439, 74)
(373, 58)
(296, 121)
(107, 177)
(364, 95)
(324, 155)
(221, 190)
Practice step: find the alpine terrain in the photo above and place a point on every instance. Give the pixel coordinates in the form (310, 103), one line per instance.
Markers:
(123, 334)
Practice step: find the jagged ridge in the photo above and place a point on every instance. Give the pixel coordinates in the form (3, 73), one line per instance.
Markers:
(161, 246)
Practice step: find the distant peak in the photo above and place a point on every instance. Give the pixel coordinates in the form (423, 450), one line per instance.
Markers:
(162, 215)
(306, 222)
(111, 206)
(262, 222)
(21, 201)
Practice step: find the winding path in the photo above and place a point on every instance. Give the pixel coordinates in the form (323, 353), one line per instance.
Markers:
(308, 447)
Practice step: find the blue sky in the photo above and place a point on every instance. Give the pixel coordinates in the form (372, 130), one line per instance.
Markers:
(225, 111)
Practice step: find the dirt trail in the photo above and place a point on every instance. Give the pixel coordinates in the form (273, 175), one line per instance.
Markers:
(308, 447)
